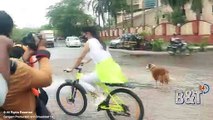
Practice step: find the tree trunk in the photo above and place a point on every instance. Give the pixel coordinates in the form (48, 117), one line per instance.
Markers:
(109, 25)
(109, 22)
(102, 15)
(158, 18)
(131, 7)
(115, 17)
(99, 20)
(198, 15)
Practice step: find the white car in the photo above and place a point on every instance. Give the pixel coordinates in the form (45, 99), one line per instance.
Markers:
(116, 43)
(73, 41)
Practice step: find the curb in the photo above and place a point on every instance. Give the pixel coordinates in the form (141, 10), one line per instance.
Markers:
(139, 52)
(142, 52)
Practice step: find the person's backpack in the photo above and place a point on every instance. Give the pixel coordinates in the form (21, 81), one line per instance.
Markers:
(43, 96)
(42, 111)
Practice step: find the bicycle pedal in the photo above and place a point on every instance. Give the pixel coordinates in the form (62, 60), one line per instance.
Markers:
(126, 108)
(101, 105)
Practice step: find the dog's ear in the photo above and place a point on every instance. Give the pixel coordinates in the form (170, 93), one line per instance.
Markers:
(148, 66)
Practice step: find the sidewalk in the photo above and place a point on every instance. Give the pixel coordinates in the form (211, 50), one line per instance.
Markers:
(144, 52)
(139, 52)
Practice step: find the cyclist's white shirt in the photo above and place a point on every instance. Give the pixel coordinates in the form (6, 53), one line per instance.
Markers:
(97, 53)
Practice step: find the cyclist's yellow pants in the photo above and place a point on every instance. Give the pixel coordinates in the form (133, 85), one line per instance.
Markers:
(109, 71)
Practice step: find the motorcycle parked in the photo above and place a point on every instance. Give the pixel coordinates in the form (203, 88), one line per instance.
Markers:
(179, 47)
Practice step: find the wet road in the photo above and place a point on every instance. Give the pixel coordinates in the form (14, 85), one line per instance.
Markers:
(186, 73)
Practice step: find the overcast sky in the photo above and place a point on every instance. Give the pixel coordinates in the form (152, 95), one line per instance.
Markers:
(27, 13)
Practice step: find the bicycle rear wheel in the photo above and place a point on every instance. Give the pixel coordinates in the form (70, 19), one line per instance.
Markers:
(129, 102)
(71, 99)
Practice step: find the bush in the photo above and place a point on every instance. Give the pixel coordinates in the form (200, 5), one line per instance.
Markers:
(144, 34)
(195, 44)
(157, 44)
(203, 44)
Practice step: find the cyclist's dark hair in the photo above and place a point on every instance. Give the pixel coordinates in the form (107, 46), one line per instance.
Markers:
(6, 24)
(95, 34)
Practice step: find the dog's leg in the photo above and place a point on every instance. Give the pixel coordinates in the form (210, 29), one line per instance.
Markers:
(156, 84)
(161, 83)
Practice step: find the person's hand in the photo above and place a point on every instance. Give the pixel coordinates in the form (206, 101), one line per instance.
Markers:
(28, 54)
(42, 42)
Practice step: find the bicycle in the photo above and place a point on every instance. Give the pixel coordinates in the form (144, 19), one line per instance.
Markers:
(113, 104)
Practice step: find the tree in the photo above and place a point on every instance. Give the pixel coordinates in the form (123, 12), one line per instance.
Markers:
(46, 27)
(98, 8)
(18, 34)
(112, 7)
(175, 4)
(177, 17)
(115, 6)
(197, 6)
(68, 17)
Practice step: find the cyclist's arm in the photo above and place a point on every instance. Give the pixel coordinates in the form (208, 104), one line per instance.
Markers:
(5, 44)
(89, 60)
(81, 57)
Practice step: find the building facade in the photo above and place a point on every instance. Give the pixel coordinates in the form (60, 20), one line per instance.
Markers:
(155, 15)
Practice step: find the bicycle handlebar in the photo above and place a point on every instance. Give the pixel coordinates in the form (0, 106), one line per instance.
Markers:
(79, 68)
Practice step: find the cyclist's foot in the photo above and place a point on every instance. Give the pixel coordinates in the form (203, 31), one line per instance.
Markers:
(101, 105)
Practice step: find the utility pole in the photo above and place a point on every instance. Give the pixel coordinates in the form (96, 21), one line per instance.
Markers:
(131, 9)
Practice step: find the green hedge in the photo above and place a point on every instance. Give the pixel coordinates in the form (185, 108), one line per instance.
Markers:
(157, 44)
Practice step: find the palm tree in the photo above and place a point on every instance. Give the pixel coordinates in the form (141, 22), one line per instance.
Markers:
(115, 6)
(197, 6)
(112, 7)
(98, 8)
(175, 3)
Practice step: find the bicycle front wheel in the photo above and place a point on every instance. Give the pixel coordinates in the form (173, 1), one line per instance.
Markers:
(71, 99)
(123, 104)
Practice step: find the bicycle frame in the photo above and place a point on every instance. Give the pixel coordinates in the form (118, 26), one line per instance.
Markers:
(117, 107)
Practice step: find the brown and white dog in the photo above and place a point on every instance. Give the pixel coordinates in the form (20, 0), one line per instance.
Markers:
(159, 74)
